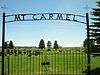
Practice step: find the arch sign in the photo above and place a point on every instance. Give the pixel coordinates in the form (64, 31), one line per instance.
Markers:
(44, 16)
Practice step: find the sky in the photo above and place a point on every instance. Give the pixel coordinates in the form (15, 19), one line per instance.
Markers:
(67, 33)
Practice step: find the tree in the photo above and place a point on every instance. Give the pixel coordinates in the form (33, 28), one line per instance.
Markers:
(5, 45)
(91, 43)
(98, 40)
(49, 45)
(41, 44)
(95, 27)
(55, 45)
(11, 45)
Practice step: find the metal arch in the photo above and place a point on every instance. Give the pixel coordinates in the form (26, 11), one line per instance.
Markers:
(62, 15)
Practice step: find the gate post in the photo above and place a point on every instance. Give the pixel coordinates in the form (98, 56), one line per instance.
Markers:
(3, 42)
(88, 45)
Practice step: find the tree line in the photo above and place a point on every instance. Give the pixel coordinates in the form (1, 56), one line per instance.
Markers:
(49, 44)
(10, 45)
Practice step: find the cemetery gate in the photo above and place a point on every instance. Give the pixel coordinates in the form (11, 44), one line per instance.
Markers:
(43, 62)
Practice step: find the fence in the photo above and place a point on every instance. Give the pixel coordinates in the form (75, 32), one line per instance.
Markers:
(65, 61)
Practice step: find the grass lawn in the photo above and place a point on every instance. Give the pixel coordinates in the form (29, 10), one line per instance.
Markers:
(68, 61)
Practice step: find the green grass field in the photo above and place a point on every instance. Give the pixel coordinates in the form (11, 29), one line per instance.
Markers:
(70, 61)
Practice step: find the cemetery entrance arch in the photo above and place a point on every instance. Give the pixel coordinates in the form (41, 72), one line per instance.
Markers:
(46, 16)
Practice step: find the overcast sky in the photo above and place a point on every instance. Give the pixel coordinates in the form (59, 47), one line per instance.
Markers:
(29, 33)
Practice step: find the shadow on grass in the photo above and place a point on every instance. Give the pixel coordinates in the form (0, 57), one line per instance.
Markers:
(95, 71)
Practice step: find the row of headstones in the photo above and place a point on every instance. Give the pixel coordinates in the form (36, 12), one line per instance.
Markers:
(19, 52)
(27, 52)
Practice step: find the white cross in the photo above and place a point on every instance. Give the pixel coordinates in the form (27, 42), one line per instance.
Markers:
(4, 7)
(87, 8)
